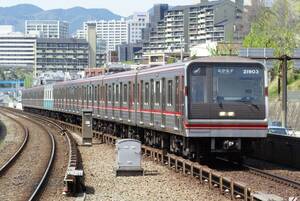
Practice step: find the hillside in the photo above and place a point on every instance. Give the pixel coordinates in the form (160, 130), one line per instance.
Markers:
(16, 15)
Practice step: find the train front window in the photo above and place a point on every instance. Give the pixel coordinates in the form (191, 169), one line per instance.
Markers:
(226, 91)
(238, 84)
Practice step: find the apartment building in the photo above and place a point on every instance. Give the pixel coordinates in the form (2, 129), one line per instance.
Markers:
(136, 23)
(17, 50)
(47, 28)
(114, 32)
(186, 26)
(67, 54)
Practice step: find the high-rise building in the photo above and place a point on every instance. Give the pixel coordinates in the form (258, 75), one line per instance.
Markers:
(47, 28)
(158, 13)
(114, 32)
(186, 26)
(64, 54)
(17, 50)
(126, 52)
(137, 22)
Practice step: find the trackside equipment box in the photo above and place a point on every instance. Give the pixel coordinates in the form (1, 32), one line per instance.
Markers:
(128, 157)
(87, 123)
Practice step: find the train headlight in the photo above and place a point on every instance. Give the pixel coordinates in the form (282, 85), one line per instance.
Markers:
(231, 114)
(222, 114)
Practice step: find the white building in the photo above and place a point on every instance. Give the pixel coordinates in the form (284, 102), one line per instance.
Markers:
(17, 50)
(136, 23)
(47, 28)
(114, 32)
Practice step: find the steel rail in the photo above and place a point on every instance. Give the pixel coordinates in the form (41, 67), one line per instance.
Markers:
(274, 177)
(73, 156)
(50, 161)
(9, 162)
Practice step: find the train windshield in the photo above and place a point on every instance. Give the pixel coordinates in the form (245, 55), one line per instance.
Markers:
(226, 91)
(239, 84)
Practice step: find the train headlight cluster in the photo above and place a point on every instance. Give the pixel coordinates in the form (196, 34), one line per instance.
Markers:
(226, 114)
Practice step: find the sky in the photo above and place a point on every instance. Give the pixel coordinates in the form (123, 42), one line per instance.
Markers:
(121, 7)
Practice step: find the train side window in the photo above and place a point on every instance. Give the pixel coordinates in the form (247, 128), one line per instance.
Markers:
(125, 94)
(170, 93)
(109, 94)
(98, 93)
(147, 91)
(95, 93)
(157, 92)
(138, 94)
(133, 94)
(90, 92)
(117, 94)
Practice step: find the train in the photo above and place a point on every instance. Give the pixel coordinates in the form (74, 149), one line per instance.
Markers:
(204, 107)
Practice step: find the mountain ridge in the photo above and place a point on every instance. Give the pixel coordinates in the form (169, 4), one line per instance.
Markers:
(16, 15)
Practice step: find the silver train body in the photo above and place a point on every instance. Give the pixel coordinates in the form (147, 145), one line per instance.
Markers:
(208, 105)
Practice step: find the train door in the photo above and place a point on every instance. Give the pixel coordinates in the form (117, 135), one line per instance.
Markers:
(107, 98)
(130, 99)
(98, 99)
(163, 102)
(178, 103)
(151, 102)
(141, 102)
(120, 93)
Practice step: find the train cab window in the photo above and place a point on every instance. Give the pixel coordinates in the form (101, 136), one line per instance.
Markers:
(147, 91)
(170, 93)
(199, 85)
(125, 94)
(157, 92)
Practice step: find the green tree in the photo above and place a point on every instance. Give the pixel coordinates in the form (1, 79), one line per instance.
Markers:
(278, 28)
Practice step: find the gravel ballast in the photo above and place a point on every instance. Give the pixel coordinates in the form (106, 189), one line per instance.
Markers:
(102, 184)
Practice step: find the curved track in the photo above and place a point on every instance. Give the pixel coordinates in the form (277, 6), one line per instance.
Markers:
(15, 155)
(24, 179)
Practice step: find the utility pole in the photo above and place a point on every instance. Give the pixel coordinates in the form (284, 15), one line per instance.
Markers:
(285, 59)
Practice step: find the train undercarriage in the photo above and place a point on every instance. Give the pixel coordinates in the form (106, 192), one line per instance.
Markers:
(196, 149)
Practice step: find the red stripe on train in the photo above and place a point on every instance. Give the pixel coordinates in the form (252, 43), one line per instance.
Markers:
(226, 126)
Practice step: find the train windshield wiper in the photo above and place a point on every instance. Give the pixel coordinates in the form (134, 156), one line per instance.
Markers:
(249, 100)
(220, 100)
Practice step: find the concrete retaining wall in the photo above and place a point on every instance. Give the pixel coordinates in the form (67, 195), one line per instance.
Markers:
(293, 113)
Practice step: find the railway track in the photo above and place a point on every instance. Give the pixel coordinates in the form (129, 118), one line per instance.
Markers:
(67, 145)
(15, 155)
(25, 178)
(273, 177)
(215, 180)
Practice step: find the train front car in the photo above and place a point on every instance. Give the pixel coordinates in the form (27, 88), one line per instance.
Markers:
(226, 105)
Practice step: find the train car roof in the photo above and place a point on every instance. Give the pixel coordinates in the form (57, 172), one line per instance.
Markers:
(224, 59)
(209, 59)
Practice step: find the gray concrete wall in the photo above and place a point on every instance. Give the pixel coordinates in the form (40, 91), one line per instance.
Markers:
(293, 113)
